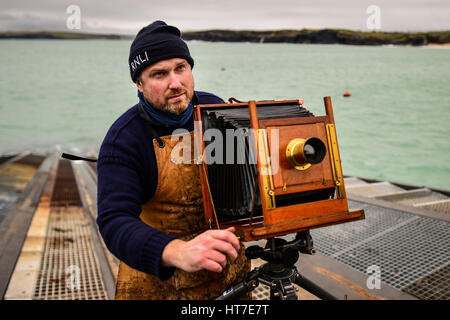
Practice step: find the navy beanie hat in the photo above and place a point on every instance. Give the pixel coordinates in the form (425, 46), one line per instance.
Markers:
(154, 43)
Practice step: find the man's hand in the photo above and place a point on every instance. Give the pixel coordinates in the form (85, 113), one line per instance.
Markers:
(209, 251)
(300, 102)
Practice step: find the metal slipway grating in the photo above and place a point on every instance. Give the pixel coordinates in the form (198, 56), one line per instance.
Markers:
(433, 286)
(69, 266)
(406, 247)
(262, 292)
(69, 254)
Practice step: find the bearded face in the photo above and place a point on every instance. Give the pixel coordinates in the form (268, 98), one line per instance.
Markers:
(168, 85)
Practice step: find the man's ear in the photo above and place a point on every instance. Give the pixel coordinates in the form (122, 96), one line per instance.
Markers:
(139, 84)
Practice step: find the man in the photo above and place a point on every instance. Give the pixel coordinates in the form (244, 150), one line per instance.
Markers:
(150, 209)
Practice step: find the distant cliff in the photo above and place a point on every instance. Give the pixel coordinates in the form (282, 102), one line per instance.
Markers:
(325, 36)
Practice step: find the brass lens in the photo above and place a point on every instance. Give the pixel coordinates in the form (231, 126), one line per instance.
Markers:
(302, 153)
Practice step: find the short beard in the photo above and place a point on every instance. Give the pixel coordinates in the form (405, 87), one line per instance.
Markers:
(176, 107)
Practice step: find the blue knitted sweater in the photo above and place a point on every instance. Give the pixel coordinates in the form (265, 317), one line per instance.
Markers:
(127, 178)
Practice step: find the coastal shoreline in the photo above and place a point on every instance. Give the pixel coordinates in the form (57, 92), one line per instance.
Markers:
(438, 45)
(304, 36)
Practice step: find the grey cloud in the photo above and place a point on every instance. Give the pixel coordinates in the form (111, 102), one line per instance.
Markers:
(128, 17)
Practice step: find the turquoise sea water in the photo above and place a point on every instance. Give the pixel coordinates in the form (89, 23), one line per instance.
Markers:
(60, 95)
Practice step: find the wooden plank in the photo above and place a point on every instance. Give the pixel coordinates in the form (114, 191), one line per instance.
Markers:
(14, 159)
(303, 224)
(15, 226)
(305, 210)
(26, 271)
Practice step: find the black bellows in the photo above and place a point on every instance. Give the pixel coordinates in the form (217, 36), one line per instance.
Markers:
(231, 162)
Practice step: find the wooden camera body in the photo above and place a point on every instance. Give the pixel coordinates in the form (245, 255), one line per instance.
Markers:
(308, 164)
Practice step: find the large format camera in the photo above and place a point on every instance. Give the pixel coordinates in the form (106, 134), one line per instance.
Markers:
(270, 168)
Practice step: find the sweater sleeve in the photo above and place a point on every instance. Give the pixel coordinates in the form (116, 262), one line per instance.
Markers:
(120, 192)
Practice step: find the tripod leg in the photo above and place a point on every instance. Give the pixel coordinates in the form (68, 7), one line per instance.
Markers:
(238, 290)
(283, 290)
(248, 284)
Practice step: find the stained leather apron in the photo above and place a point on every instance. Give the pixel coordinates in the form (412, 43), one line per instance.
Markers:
(177, 208)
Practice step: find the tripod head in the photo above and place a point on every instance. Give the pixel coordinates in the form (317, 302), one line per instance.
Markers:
(282, 252)
(279, 273)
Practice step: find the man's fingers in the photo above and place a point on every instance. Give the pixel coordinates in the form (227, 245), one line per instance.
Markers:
(212, 265)
(218, 257)
(227, 236)
(300, 102)
(225, 242)
(209, 251)
(225, 248)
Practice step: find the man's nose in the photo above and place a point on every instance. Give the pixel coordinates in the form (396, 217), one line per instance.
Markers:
(175, 82)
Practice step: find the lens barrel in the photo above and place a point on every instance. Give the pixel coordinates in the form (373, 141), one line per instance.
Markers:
(302, 153)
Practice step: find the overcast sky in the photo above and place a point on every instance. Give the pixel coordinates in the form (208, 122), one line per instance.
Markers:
(127, 17)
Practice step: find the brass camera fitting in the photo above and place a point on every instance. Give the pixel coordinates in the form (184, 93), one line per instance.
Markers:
(302, 153)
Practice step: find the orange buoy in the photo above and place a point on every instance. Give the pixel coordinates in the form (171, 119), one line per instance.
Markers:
(346, 94)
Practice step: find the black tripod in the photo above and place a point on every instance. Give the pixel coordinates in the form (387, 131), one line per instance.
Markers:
(279, 273)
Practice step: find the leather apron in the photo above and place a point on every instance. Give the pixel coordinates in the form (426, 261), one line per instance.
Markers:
(177, 208)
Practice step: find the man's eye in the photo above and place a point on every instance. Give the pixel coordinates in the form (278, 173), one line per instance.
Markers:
(158, 74)
(181, 67)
